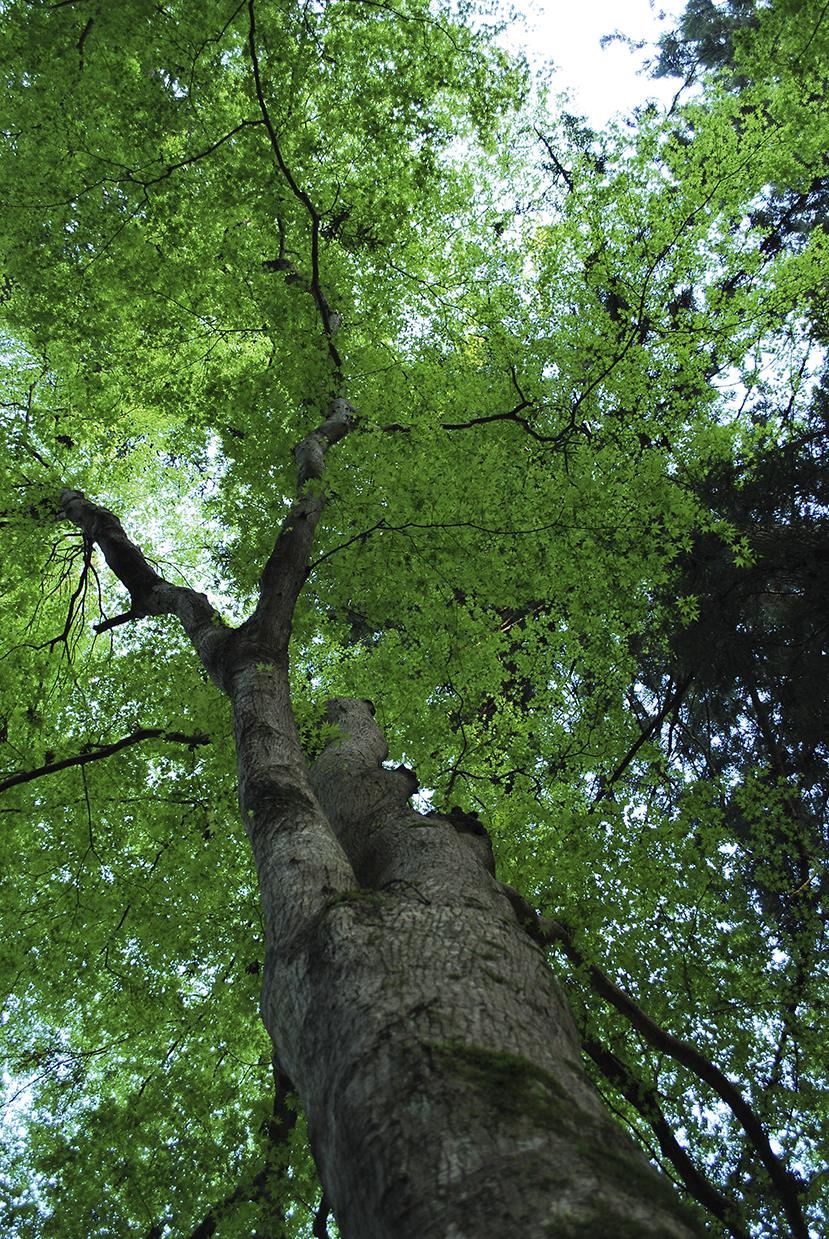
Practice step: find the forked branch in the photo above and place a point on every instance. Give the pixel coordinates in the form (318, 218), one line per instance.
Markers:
(150, 593)
(646, 1101)
(788, 1185)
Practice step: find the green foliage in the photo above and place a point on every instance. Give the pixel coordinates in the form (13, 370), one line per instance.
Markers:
(568, 400)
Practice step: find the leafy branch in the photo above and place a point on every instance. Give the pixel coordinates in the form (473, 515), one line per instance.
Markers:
(646, 1101)
(104, 750)
(258, 1186)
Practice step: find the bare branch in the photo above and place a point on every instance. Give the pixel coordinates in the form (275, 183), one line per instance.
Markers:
(673, 700)
(104, 750)
(358, 537)
(512, 415)
(191, 159)
(75, 610)
(330, 320)
(288, 565)
(116, 621)
(646, 1101)
(788, 1185)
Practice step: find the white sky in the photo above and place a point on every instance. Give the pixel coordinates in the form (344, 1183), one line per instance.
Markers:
(601, 81)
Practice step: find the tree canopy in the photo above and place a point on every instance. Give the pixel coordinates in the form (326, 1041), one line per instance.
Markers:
(574, 547)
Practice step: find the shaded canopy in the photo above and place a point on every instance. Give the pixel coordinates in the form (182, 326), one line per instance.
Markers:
(585, 389)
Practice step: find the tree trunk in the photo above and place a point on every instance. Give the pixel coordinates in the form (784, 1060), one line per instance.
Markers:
(433, 1052)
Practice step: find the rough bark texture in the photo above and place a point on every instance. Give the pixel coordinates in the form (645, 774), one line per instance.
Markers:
(430, 1045)
(433, 1051)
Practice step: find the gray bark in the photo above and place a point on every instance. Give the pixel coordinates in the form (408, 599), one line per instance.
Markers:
(428, 1041)
(432, 1049)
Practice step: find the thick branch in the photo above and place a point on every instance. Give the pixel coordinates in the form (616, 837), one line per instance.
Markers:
(787, 1184)
(149, 593)
(646, 1101)
(287, 567)
(310, 453)
(105, 750)
(115, 621)
(320, 1230)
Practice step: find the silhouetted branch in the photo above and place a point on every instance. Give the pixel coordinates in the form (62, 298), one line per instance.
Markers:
(116, 621)
(191, 159)
(279, 1129)
(557, 165)
(512, 415)
(646, 1101)
(320, 1230)
(150, 593)
(105, 750)
(787, 1184)
(655, 723)
(75, 608)
(330, 320)
(358, 537)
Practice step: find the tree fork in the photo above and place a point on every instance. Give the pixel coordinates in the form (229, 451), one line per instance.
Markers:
(431, 1047)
